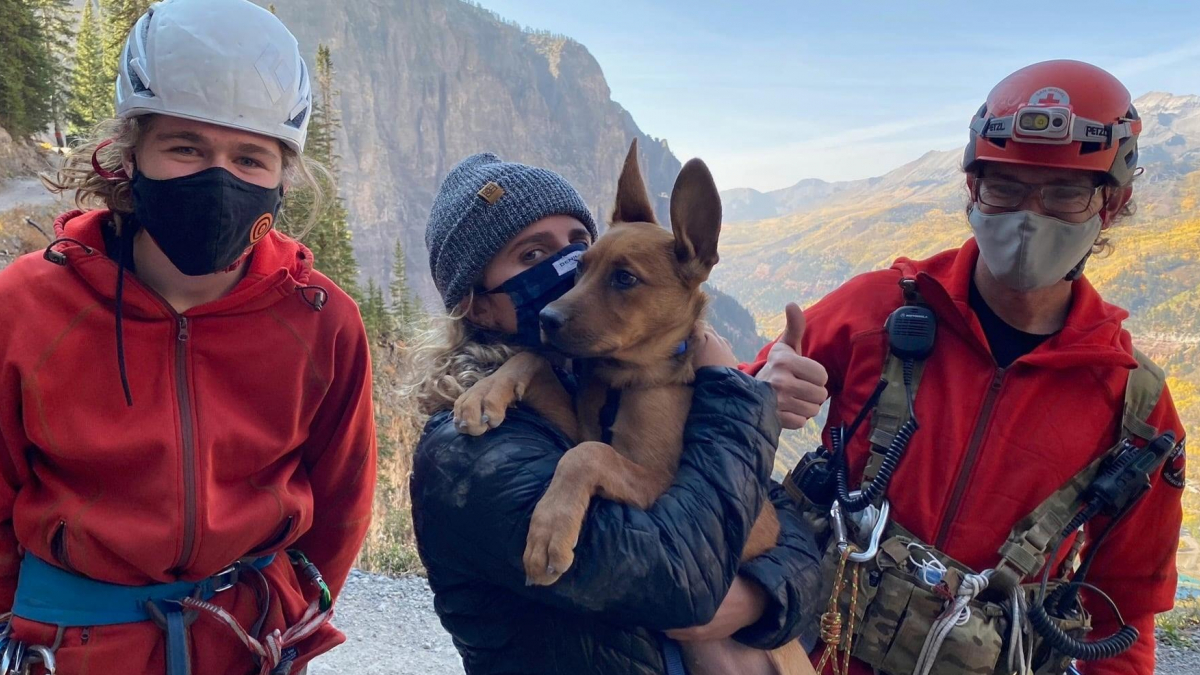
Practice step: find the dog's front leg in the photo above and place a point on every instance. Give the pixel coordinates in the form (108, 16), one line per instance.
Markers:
(485, 404)
(589, 469)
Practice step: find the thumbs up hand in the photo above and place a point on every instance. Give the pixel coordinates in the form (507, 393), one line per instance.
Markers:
(799, 382)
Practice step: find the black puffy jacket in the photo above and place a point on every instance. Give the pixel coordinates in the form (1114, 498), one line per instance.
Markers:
(636, 573)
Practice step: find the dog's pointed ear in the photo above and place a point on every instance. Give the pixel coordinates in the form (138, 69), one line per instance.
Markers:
(696, 219)
(633, 202)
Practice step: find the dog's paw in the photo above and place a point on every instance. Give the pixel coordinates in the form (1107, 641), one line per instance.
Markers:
(550, 545)
(484, 405)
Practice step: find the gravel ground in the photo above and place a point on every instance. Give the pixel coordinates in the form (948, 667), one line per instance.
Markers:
(1179, 661)
(24, 191)
(391, 630)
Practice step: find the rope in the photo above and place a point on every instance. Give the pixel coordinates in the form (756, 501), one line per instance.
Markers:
(1020, 643)
(956, 615)
(831, 620)
(269, 650)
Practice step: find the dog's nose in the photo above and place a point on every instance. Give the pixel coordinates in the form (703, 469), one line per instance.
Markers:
(552, 320)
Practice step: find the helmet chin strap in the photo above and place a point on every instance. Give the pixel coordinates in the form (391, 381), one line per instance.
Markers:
(1077, 271)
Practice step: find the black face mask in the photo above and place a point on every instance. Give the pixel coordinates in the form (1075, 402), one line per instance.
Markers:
(204, 222)
(537, 287)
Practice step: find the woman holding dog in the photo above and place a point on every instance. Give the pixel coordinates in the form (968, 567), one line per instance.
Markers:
(1031, 378)
(503, 241)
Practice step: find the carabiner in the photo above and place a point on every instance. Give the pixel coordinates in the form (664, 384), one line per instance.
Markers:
(6, 657)
(876, 534)
(18, 662)
(47, 657)
(839, 526)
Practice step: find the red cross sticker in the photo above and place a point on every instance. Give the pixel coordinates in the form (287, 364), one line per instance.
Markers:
(1047, 96)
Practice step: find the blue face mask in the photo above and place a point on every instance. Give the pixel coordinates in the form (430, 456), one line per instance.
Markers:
(537, 287)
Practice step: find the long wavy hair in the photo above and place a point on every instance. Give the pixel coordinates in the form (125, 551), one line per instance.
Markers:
(447, 358)
(93, 191)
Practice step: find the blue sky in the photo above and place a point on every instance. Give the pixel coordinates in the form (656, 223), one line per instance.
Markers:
(769, 92)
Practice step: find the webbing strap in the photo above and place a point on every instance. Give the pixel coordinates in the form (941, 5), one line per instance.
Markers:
(1024, 552)
(672, 658)
(178, 662)
(1142, 392)
(891, 412)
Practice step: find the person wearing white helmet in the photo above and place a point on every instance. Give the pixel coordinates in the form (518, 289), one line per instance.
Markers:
(187, 442)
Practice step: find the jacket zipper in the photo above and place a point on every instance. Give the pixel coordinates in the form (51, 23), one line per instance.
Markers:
(58, 547)
(964, 474)
(189, 449)
(276, 539)
(185, 412)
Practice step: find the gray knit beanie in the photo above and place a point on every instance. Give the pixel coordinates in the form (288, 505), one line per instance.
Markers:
(481, 206)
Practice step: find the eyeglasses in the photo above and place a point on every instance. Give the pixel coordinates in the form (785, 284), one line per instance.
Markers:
(1009, 194)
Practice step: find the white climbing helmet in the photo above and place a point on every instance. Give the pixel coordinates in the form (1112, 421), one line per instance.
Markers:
(227, 62)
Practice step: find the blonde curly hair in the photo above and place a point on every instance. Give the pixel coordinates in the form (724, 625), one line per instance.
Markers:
(93, 191)
(447, 358)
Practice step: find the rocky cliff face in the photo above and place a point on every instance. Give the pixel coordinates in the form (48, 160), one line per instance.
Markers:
(425, 83)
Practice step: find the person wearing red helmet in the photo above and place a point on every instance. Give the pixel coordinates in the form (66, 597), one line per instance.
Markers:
(1039, 493)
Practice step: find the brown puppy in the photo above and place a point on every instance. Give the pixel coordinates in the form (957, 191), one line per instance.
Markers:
(635, 309)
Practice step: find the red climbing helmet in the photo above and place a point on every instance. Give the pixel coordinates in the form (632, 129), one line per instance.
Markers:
(1062, 114)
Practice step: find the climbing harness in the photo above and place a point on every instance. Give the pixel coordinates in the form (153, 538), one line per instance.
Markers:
(50, 595)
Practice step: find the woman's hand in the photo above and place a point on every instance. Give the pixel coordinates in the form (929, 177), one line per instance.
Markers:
(799, 382)
(742, 606)
(714, 350)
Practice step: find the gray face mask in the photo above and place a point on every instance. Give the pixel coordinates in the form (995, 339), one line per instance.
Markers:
(1026, 250)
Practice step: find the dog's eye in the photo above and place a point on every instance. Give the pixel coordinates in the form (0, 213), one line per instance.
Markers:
(623, 279)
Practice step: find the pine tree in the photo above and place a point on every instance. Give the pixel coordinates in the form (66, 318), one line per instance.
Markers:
(119, 18)
(330, 238)
(91, 98)
(326, 121)
(374, 313)
(57, 19)
(406, 311)
(25, 70)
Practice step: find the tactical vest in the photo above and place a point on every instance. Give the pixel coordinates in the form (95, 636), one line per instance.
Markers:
(909, 608)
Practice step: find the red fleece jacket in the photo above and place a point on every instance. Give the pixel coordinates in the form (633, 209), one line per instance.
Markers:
(251, 432)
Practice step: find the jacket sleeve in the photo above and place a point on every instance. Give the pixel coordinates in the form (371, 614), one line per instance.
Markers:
(340, 456)
(1135, 566)
(667, 567)
(791, 575)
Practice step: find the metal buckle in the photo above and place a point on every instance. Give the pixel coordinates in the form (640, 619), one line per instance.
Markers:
(230, 574)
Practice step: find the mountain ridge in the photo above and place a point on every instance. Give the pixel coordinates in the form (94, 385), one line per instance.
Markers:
(1170, 143)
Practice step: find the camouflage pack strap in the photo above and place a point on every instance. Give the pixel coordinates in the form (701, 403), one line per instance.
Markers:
(891, 412)
(1145, 386)
(1024, 551)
